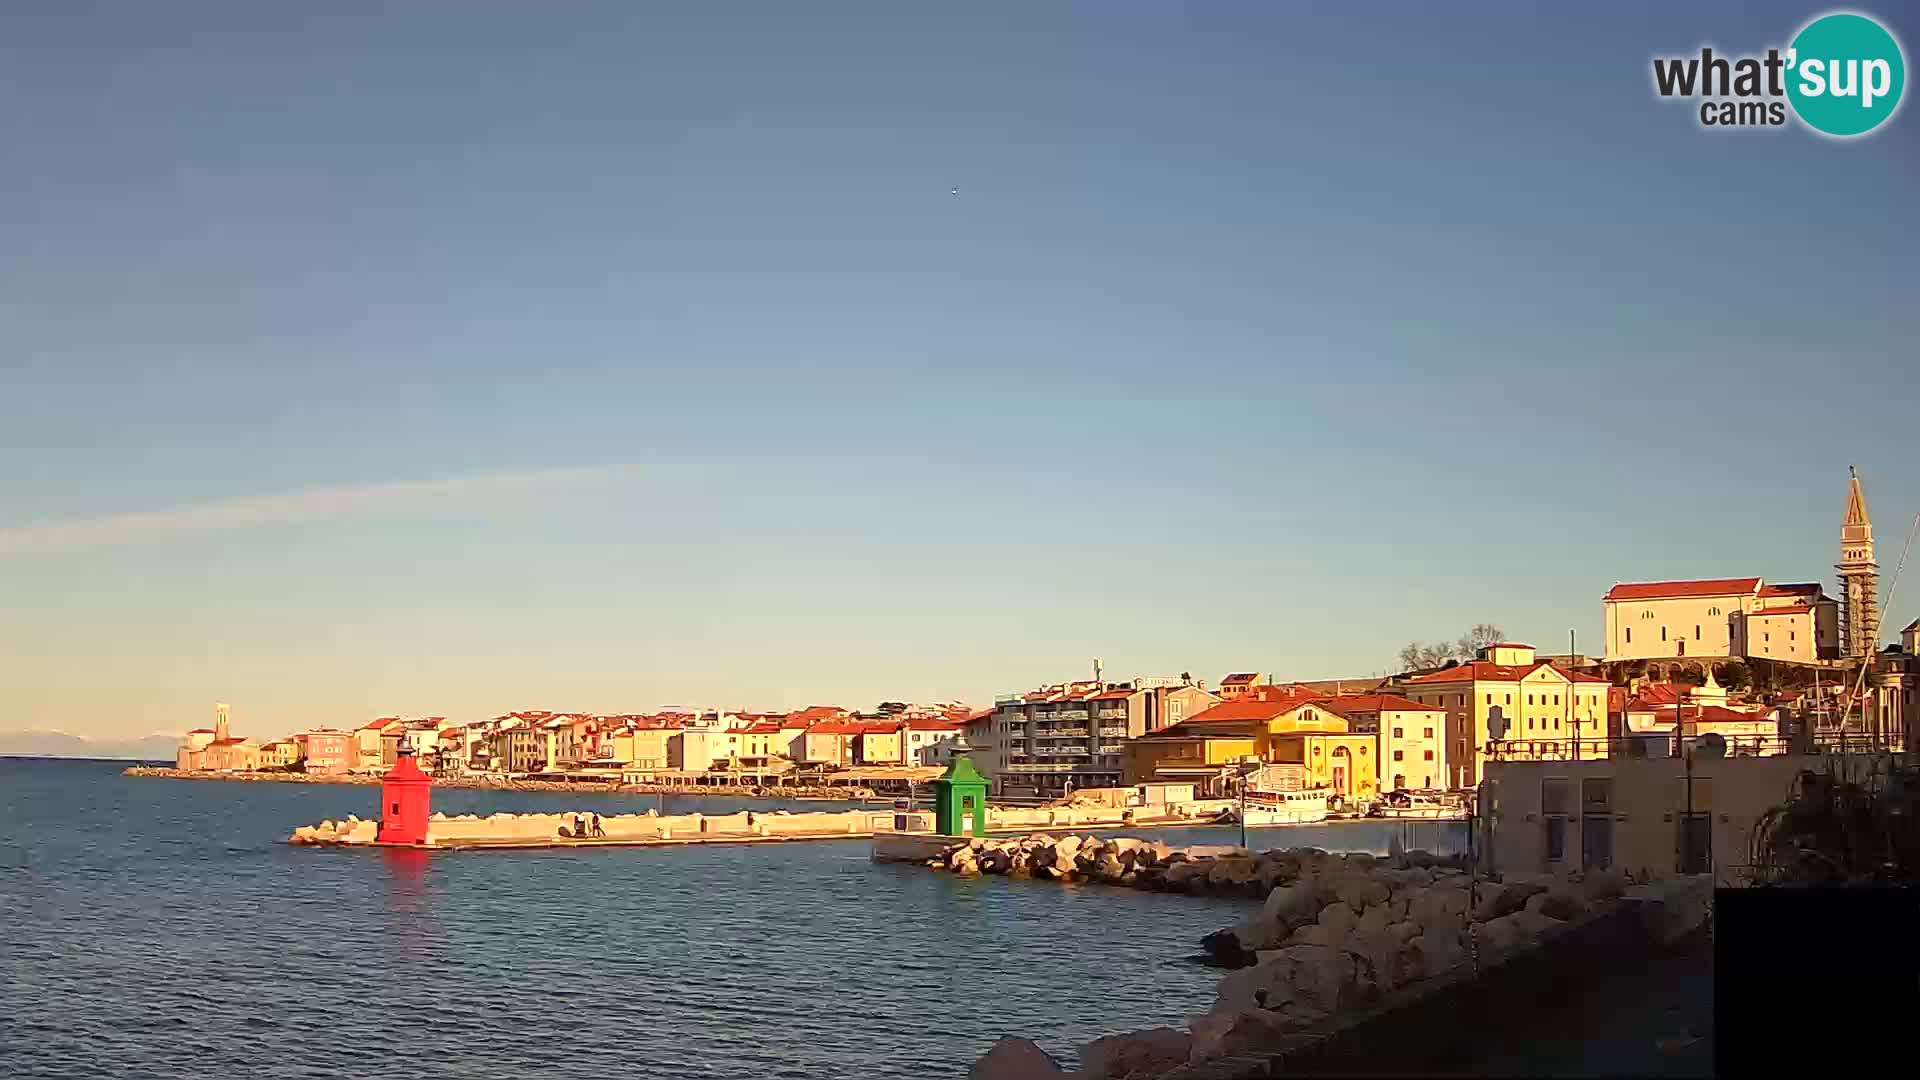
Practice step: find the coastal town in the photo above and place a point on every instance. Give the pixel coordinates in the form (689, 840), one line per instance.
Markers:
(1749, 667)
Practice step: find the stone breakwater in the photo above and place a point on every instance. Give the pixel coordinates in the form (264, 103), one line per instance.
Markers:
(1334, 934)
(578, 829)
(498, 783)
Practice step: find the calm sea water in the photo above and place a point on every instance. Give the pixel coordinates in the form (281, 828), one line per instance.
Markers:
(161, 928)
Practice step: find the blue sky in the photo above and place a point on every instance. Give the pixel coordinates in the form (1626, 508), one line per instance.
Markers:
(643, 354)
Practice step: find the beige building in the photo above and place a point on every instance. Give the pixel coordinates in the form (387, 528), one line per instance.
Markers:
(1656, 816)
(1075, 734)
(1412, 751)
(1510, 696)
(1721, 617)
(696, 749)
(641, 749)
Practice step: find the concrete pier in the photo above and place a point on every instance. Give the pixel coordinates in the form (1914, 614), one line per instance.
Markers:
(577, 829)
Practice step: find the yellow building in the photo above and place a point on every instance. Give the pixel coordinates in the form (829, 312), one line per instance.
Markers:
(1508, 695)
(640, 749)
(1411, 753)
(1271, 725)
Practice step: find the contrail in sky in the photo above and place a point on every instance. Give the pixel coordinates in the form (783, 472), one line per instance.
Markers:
(317, 504)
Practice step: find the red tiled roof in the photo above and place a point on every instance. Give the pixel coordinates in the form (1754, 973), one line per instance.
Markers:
(201, 731)
(1811, 588)
(1112, 695)
(1485, 671)
(1367, 703)
(880, 727)
(932, 725)
(1250, 708)
(1239, 677)
(1672, 590)
(376, 725)
(837, 727)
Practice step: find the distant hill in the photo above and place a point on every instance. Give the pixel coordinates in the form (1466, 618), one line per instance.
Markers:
(59, 744)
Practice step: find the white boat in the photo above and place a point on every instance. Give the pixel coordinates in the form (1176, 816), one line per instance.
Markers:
(1421, 805)
(1281, 807)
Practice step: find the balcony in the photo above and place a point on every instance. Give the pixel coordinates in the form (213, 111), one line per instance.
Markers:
(1111, 714)
(1114, 732)
(1046, 732)
(1111, 748)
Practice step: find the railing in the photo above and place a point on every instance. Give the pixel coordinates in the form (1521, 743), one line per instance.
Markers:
(1113, 732)
(1111, 748)
(1644, 746)
(1047, 732)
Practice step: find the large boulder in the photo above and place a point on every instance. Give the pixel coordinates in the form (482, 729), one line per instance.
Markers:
(1182, 875)
(1245, 1032)
(995, 860)
(1264, 985)
(1065, 849)
(1322, 977)
(1438, 951)
(1339, 919)
(1563, 905)
(1149, 1052)
(1439, 907)
(1506, 898)
(1015, 1059)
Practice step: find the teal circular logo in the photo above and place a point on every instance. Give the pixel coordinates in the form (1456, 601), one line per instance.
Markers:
(1845, 74)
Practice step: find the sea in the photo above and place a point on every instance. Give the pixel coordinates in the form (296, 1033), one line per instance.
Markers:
(164, 928)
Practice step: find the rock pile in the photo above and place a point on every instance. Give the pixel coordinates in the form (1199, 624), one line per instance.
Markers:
(1334, 934)
(350, 831)
(1204, 869)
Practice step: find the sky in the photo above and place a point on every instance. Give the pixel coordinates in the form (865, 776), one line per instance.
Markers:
(455, 358)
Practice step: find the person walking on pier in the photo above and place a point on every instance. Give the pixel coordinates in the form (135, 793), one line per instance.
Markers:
(599, 833)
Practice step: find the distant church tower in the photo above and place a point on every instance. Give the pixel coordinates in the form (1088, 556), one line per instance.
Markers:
(1859, 577)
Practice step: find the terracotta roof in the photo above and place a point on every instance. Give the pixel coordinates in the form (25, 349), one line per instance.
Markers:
(837, 727)
(1239, 677)
(1486, 671)
(1378, 703)
(201, 731)
(1810, 588)
(1790, 609)
(932, 725)
(1672, 590)
(376, 725)
(1253, 708)
(1198, 727)
(1112, 695)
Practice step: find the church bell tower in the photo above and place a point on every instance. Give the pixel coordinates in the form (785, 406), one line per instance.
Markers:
(1859, 577)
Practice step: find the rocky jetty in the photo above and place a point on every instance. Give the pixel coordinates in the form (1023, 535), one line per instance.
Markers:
(1334, 934)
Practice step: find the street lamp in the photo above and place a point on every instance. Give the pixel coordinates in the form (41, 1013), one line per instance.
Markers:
(1248, 769)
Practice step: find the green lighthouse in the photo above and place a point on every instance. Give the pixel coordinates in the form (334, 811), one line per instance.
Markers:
(960, 797)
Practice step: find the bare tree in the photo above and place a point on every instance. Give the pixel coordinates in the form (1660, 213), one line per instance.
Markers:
(1416, 655)
(1477, 638)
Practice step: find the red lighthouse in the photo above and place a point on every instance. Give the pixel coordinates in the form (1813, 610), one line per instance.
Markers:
(405, 802)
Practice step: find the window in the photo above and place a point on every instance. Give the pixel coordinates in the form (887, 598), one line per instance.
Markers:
(1426, 781)
(1629, 635)
(1429, 755)
(1429, 733)
(1529, 699)
(1489, 699)
(1509, 699)
(1399, 755)
(1663, 633)
(1401, 733)
(1529, 723)
(1556, 699)
(1596, 795)
(1765, 637)
(1399, 781)
(1696, 631)
(1790, 635)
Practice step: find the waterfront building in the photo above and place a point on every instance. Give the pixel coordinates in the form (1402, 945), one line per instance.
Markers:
(519, 749)
(1894, 692)
(1506, 694)
(372, 749)
(926, 741)
(1412, 738)
(1654, 816)
(1291, 730)
(1074, 734)
(878, 743)
(696, 749)
(641, 748)
(326, 752)
(750, 746)
(279, 754)
(829, 742)
(216, 749)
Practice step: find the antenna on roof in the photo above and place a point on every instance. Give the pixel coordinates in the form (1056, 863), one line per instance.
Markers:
(1096, 670)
